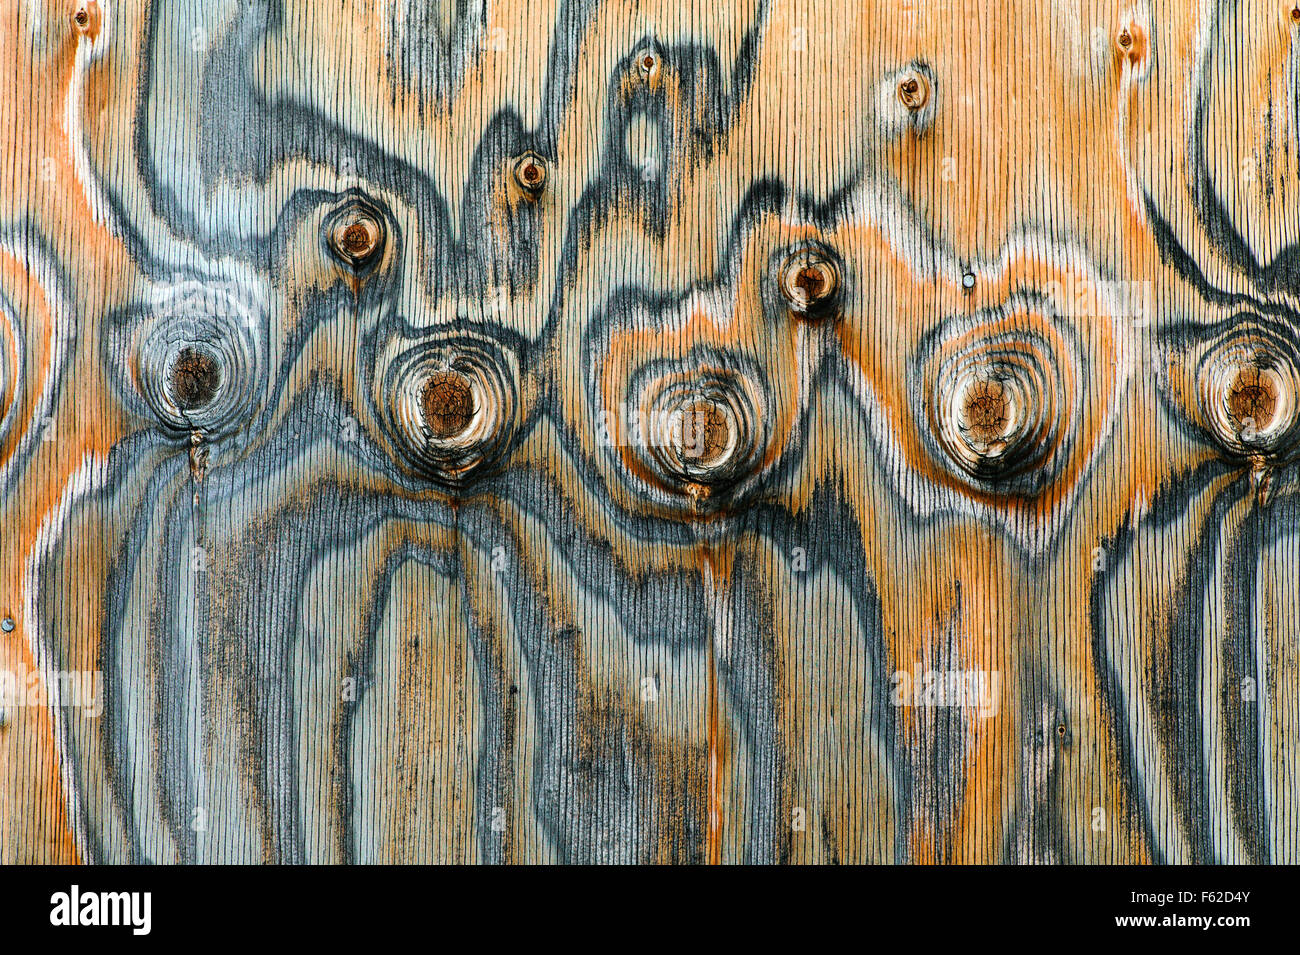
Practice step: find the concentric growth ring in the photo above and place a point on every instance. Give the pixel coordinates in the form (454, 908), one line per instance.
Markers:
(199, 364)
(1247, 384)
(451, 403)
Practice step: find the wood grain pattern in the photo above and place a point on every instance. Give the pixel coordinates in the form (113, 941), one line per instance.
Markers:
(583, 430)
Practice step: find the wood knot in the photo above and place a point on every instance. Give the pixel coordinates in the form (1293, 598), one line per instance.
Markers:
(1295, 13)
(647, 63)
(1132, 43)
(986, 412)
(704, 435)
(195, 378)
(86, 20)
(447, 403)
(810, 282)
(1252, 399)
(530, 174)
(356, 235)
(914, 91)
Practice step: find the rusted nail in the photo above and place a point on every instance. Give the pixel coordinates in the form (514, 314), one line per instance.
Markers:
(810, 282)
(194, 378)
(530, 173)
(1125, 40)
(447, 404)
(1295, 13)
(357, 235)
(914, 91)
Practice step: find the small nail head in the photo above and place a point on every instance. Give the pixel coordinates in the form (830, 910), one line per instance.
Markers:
(647, 62)
(968, 281)
(7, 624)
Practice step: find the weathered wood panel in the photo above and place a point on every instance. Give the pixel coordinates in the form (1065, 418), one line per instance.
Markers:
(579, 430)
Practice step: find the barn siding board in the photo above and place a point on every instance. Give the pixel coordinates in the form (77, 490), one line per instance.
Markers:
(547, 431)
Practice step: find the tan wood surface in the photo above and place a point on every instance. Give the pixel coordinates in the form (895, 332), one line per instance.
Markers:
(583, 431)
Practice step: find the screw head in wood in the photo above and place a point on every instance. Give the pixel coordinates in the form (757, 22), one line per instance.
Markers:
(810, 281)
(7, 624)
(530, 174)
(968, 281)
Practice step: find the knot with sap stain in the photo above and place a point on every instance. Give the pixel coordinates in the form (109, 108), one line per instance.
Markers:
(530, 174)
(356, 235)
(449, 402)
(648, 64)
(906, 100)
(698, 432)
(809, 280)
(87, 19)
(1133, 48)
(1247, 383)
(998, 400)
(198, 360)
